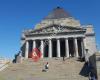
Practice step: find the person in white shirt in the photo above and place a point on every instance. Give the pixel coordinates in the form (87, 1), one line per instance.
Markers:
(47, 66)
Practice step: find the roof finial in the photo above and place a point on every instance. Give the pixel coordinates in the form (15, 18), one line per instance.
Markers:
(58, 7)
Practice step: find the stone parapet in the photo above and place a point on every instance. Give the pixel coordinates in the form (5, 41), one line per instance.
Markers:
(89, 29)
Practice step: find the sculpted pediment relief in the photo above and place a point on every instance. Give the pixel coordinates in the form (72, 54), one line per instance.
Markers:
(54, 29)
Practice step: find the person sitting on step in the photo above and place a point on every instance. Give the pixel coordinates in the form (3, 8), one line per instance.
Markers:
(47, 66)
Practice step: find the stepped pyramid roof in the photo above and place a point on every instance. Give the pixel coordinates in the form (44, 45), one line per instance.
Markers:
(57, 13)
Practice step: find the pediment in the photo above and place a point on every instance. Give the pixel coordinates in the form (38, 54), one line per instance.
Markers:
(54, 29)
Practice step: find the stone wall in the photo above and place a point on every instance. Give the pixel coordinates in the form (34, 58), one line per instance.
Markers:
(90, 42)
(63, 22)
(98, 64)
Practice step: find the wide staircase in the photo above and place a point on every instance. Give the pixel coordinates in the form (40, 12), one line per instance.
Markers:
(58, 70)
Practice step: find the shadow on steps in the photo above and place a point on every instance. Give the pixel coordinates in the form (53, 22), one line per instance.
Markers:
(89, 67)
(85, 70)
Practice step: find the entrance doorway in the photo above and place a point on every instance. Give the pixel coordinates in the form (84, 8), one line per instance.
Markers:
(54, 48)
(62, 47)
(46, 48)
(79, 41)
(71, 47)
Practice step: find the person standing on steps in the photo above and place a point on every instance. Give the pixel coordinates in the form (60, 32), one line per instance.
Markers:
(63, 58)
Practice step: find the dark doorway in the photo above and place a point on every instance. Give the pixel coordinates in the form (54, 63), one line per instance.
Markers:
(38, 43)
(71, 47)
(54, 48)
(30, 49)
(46, 49)
(79, 47)
(62, 47)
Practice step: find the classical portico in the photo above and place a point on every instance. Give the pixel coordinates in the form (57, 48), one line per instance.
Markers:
(58, 35)
(57, 47)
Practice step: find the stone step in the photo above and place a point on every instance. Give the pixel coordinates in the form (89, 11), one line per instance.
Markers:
(58, 70)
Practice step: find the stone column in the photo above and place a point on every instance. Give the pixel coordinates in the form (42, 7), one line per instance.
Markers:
(26, 49)
(76, 47)
(58, 48)
(84, 44)
(34, 44)
(50, 48)
(83, 48)
(67, 47)
(42, 48)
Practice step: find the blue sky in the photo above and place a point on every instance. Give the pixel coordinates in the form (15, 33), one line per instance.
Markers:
(17, 15)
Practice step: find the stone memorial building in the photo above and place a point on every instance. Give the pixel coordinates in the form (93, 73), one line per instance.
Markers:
(57, 35)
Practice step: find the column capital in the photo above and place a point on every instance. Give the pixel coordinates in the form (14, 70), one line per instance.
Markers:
(75, 37)
(26, 40)
(41, 39)
(57, 38)
(34, 39)
(66, 38)
(49, 38)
